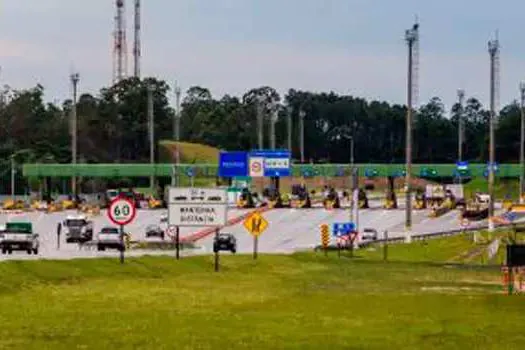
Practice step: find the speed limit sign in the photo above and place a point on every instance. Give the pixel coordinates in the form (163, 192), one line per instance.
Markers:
(121, 211)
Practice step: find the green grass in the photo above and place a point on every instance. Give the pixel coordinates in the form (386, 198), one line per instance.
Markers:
(189, 152)
(502, 188)
(302, 301)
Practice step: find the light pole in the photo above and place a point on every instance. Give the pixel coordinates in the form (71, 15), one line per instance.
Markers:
(151, 122)
(461, 97)
(493, 47)
(13, 173)
(522, 143)
(260, 121)
(75, 77)
(411, 37)
(289, 126)
(176, 132)
(301, 134)
(273, 120)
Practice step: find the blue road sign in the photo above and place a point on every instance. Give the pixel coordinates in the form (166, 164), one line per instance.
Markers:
(511, 216)
(233, 164)
(463, 165)
(342, 228)
(276, 162)
(340, 172)
(190, 172)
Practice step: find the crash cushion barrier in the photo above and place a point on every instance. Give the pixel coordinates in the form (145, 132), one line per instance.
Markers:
(436, 212)
(518, 208)
(208, 231)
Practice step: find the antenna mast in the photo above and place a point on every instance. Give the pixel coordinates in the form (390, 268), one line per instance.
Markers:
(493, 47)
(415, 64)
(120, 57)
(136, 44)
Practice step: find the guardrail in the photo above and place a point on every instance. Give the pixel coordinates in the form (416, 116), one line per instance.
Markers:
(422, 236)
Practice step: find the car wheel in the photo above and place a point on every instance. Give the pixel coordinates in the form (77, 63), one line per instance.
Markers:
(35, 251)
(9, 251)
(234, 251)
(100, 248)
(29, 251)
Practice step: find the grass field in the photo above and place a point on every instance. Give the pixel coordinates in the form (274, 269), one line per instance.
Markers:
(502, 188)
(301, 301)
(189, 152)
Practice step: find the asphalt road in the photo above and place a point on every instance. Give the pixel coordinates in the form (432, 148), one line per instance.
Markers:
(288, 229)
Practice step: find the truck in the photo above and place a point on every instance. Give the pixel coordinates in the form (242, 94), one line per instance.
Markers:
(19, 236)
(78, 229)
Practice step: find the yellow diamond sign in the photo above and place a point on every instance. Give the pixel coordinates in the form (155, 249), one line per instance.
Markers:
(255, 224)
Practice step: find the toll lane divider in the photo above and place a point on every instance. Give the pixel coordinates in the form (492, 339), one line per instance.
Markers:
(194, 237)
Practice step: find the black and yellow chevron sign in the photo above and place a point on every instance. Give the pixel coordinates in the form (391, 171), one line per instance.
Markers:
(325, 235)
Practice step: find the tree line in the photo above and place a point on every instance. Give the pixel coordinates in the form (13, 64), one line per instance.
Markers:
(113, 125)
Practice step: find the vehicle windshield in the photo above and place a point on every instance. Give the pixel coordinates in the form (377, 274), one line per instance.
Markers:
(75, 222)
(19, 227)
(110, 230)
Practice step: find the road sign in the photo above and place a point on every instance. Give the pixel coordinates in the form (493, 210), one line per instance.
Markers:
(325, 236)
(465, 223)
(510, 216)
(255, 224)
(233, 164)
(121, 211)
(343, 229)
(190, 172)
(190, 206)
(256, 166)
(270, 163)
(172, 230)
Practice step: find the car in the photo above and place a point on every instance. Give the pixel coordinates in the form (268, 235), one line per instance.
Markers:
(19, 236)
(154, 231)
(225, 241)
(109, 237)
(78, 229)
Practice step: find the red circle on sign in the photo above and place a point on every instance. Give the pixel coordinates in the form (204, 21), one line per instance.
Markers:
(256, 167)
(133, 211)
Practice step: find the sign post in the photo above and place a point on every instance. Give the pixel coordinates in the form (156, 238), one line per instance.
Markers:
(325, 238)
(196, 207)
(121, 211)
(385, 245)
(255, 224)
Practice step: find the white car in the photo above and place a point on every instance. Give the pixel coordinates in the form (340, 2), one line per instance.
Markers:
(109, 237)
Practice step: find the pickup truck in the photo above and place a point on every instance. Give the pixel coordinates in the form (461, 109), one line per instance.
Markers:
(19, 236)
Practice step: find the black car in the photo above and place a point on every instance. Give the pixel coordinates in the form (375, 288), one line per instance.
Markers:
(225, 241)
(154, 231)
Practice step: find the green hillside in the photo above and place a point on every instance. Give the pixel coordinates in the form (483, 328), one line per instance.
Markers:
(189, 152)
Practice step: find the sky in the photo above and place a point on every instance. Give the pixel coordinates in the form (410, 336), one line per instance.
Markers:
(230, 46)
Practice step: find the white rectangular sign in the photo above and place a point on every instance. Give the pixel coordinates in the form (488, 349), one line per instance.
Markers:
(197, 207)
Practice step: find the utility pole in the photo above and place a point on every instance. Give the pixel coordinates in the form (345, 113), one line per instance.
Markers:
(461, 132)
(151, 123)
(301, 134)
(75, 77)
(493, 47)
(273, 120)
(176, 132)
(411, 37)
(522, 143)
(289, 126)
(13, 173)
(260, 122)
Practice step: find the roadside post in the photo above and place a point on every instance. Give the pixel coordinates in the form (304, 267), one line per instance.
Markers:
(197, 207)
(385, 246)
(343, 233)
(121, 211)
(325, 239)
(173, 233)
(255, 224)
(515, 260)
(59, 231)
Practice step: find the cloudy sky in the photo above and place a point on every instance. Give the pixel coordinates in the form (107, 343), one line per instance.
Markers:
(229, 46)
